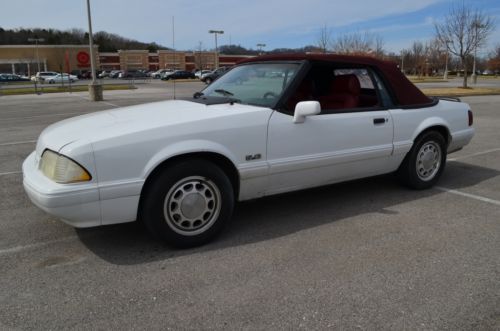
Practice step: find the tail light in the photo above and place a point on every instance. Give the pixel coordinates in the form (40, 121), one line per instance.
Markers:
(471, 118)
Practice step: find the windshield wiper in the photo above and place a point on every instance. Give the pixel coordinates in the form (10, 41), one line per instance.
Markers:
(224, 92)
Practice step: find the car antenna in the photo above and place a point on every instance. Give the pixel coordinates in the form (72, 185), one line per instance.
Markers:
(173, 49)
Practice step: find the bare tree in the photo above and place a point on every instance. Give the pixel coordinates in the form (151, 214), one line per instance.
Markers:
(494, 59)
(361, 44)
(379, 46)
(418, 50)
(463, 30)
(324, 39)
(436, 55)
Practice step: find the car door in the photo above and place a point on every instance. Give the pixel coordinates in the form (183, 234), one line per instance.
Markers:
(330, 147)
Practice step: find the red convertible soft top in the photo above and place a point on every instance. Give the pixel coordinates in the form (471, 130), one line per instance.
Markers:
(404, 92)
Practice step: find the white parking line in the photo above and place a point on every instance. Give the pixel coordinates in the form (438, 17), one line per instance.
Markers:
(475, 154)
(17, 249)
(10, 173)
(18, 143)
(468, 195)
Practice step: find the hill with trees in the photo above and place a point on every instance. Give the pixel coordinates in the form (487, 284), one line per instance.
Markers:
(108, 42)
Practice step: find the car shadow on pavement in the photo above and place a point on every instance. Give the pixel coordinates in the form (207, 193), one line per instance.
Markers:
(277, 216)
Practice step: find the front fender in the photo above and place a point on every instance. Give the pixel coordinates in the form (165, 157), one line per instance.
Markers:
(186, 147)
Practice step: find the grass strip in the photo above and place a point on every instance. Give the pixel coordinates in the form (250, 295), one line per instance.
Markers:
(59, 89)
(460, 92)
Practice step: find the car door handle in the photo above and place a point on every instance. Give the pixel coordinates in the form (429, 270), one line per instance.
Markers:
(379, 121)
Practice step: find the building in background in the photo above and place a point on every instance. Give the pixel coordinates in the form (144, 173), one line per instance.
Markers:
(24, 59)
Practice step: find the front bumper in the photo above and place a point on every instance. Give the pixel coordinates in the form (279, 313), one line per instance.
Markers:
(76, 204)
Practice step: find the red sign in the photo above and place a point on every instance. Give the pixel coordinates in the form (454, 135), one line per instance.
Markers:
(83, 57)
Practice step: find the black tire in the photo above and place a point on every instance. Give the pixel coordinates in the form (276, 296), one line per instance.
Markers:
(429, 152)
(208, 81)
(192, 186)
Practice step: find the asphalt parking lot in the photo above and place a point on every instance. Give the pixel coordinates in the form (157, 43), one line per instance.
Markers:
(367, 254)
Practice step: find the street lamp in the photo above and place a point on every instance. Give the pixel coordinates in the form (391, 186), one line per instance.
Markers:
(476, 25)
(95, 89)
(37, 40)
(445, 76)
(216, 32)
(260, 47)
(403, 54)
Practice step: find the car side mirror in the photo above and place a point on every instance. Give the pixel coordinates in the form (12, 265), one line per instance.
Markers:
(304, 109)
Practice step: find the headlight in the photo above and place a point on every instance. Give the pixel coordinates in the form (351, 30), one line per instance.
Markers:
(61, 169)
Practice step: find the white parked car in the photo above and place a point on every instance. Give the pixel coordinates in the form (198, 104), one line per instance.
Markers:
(61, 78)
(42, 75)
(179, 166)
(201, 73)
(159, 73)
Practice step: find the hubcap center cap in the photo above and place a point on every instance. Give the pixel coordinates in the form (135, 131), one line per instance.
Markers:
(193, 205)
(428, 160)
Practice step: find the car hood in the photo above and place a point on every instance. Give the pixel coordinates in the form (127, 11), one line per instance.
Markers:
(112, 123)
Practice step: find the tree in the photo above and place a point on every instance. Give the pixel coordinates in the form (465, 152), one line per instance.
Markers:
(494, 59)
(418, 58)
(325, 39)
(463, 31)
(359, 44)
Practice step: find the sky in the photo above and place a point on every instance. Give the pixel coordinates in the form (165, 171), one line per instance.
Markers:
(276, 23)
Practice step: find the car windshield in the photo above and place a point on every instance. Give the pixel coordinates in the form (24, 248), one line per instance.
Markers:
(259, 84)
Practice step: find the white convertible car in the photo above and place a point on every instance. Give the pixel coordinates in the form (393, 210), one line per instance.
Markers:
(272, 124)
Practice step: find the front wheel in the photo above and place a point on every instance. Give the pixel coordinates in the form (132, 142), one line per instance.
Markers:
(425, 162)
(188, 203)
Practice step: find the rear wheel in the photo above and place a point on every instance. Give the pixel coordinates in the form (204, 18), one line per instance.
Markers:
(188, 203)
(425, 162)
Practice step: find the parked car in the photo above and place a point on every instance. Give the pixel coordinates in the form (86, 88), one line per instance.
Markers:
(104, 74)
(10, 78)
(61, 78)
(115, 73)
(180, 165)
(133, 74)
(42, 75)
(179, 74)
(201, 73)
(158, 74)
(210, 77)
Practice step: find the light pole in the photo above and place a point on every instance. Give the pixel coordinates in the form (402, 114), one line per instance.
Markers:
(445, 75)
(95, 89)
(403, 53)
(216, 32)
(477, 25)
(37, 40)
(260, 47)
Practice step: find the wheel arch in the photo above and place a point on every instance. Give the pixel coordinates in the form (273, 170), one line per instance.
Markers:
(431, 124)
(220, 160)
